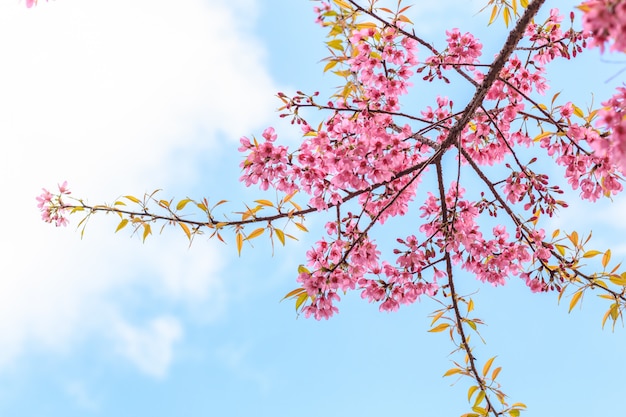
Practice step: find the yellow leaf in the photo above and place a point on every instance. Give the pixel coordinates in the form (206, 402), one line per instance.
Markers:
(574, 238)
(303, 270)
(507, 16)
(265, 203)
(182, 203)
(366, 25)
(515, 411)
(578, 112)
(403, 18)
(471, 391)
(281, 236)
(342, 4)
(185, 229)
(481, 411)
(618, 280)
(437, 317)
(470, 305)
(239, 240)
(122, 224)
(293, 293)
(452, 372)
(487, 366)
(439, 328)
(614, 311)
(256, 233)
(606, 258)
(591, 253)
(606, 316)
(131, 198)
(575, 299)
(146, 231)
(524, 3)
(290, 196)
(494, 13)
(542, 135)
(479, 399)
(301, 299)
(331, 64)
(301, 227)
(495, 373)
(335, 44)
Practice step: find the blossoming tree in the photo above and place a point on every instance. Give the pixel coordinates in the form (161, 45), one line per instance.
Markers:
(366, 159)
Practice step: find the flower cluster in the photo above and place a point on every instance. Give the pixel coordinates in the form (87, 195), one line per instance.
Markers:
(550, 41)
(51, 205)
(604, 20)
(613, 117)
(31, 3)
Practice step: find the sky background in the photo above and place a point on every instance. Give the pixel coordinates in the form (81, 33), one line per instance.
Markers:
(124, 97)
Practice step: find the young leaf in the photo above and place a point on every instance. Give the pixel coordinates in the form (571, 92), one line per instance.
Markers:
(146, 231)
(239, 240)
(301, 227)
(471, 391)
(495, 373)
(301, 299)
(265, 203)
(122, 224)
(182, 203)
(133, 199)
(439, 328)
(185, 229)
(256, 233)
(494, 13)
(487, 366)
(575, 299)
(281, 236)
(293, 293)
(606, 258)
(452, 371)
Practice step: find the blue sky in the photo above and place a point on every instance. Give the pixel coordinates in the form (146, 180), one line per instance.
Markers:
(123, 97)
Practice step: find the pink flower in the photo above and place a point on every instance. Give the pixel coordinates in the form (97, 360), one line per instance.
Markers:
(31, 3)
(51, 205)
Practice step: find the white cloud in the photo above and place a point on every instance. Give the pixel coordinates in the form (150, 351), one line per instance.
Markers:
(111, 95)
(80, 395)
(149, 348)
